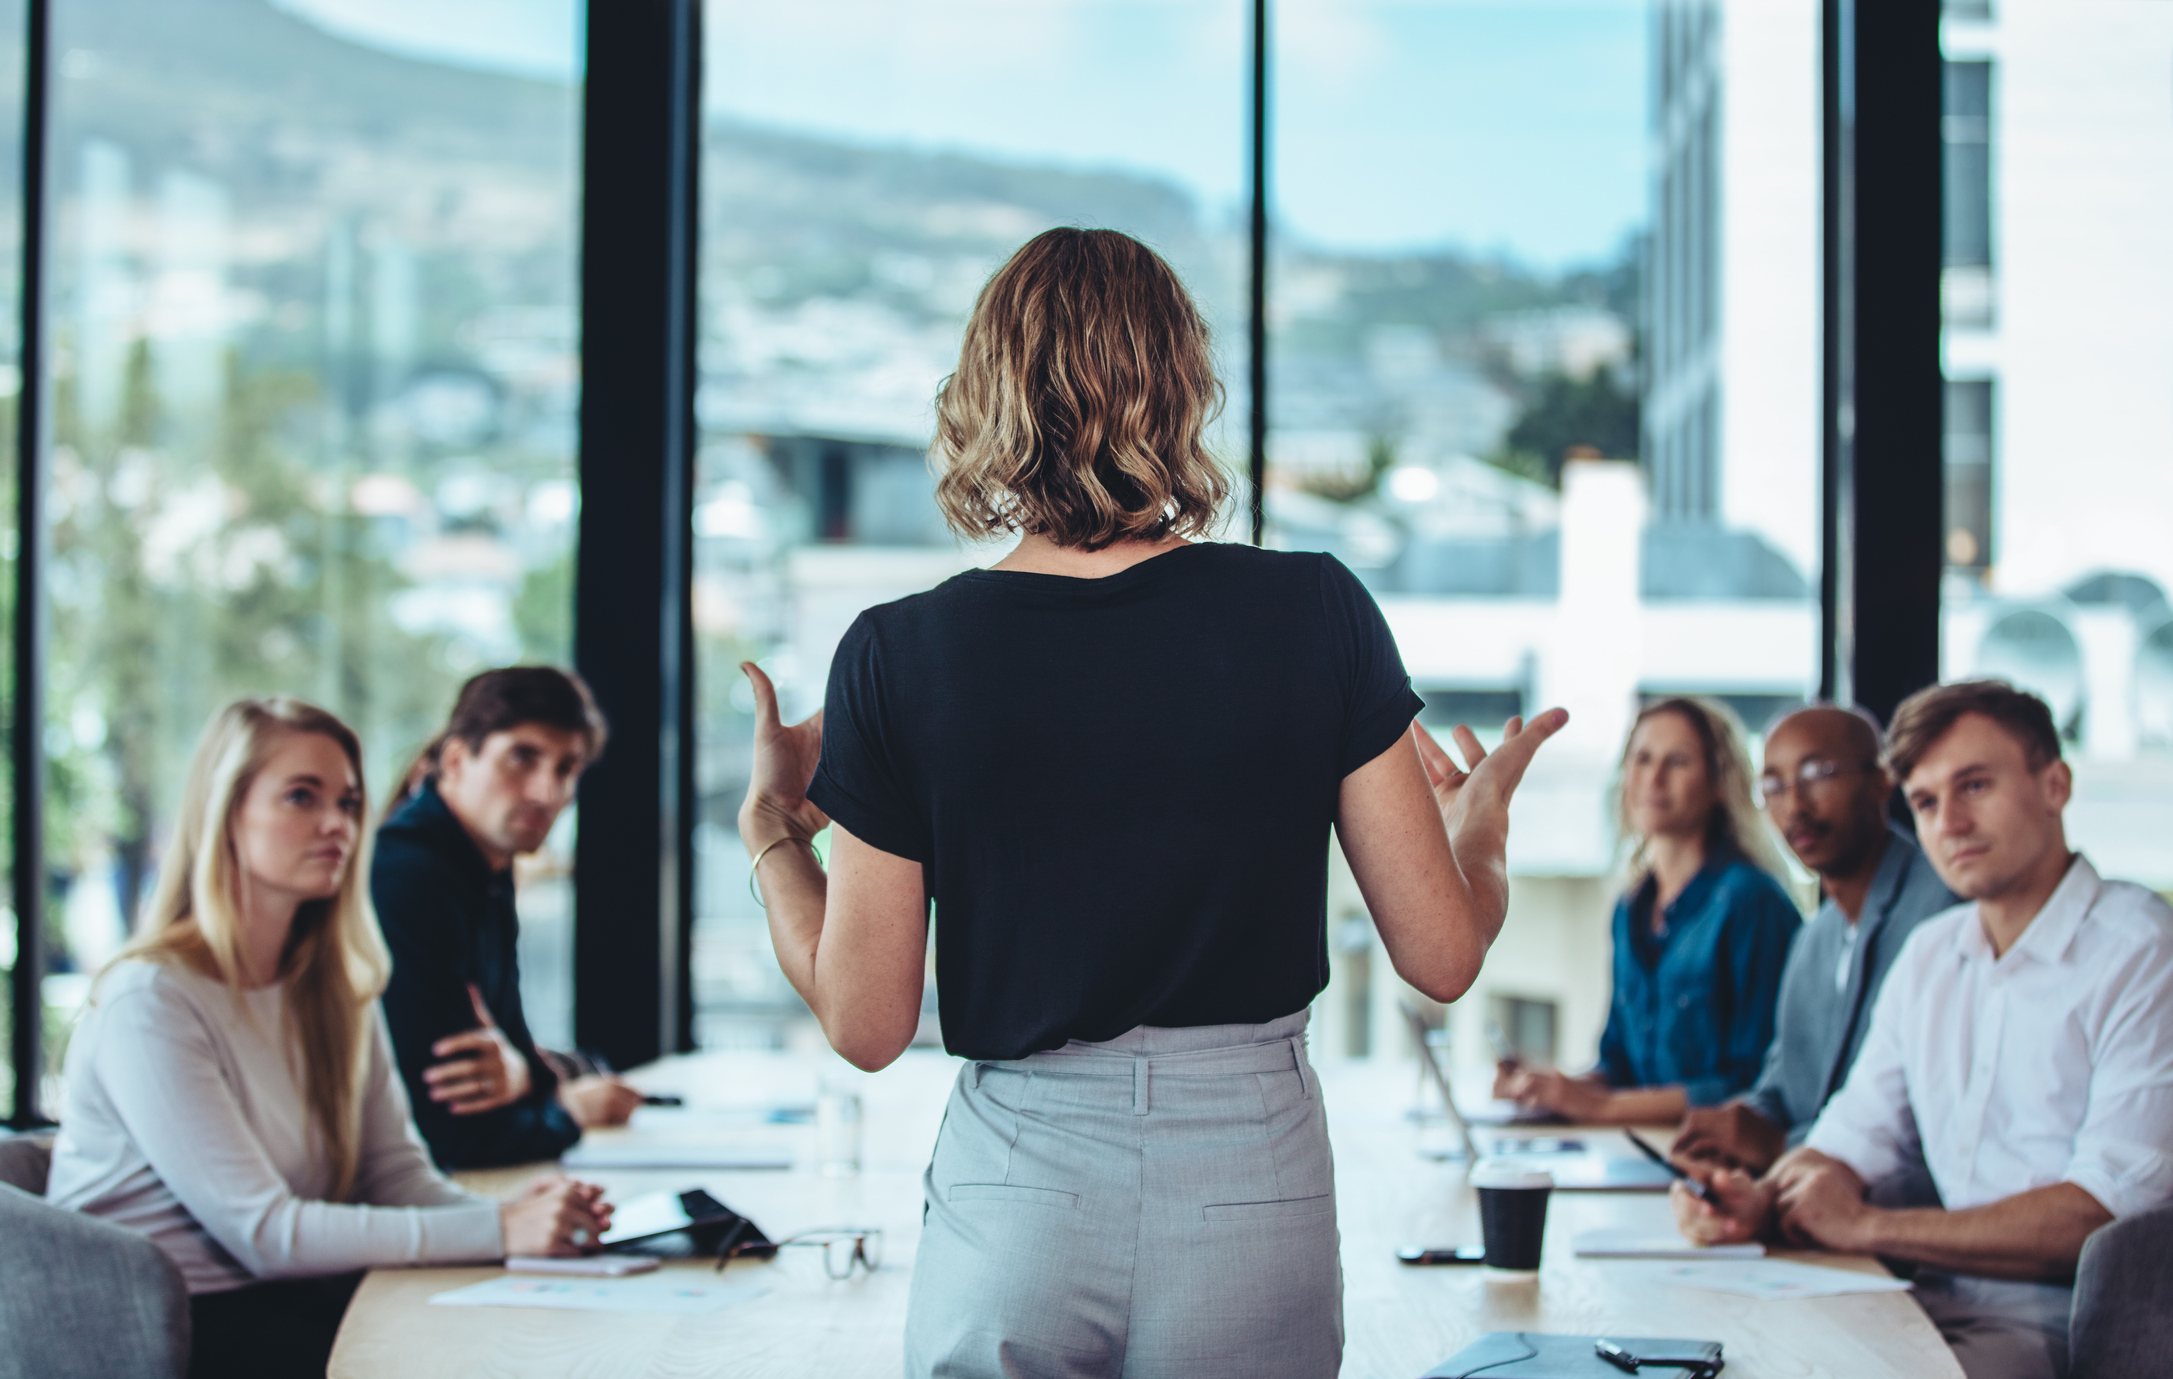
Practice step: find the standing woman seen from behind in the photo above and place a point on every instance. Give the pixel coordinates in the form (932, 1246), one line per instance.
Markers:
(231, 1093)
(1113, 762)
(1700, 937)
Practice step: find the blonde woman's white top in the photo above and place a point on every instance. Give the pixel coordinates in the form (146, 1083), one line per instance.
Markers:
(185, 1119)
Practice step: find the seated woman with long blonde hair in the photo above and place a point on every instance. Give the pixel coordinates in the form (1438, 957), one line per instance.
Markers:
(231, 1092)
(1701, 936)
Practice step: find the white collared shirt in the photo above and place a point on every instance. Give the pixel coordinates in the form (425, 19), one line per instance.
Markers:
(2052, 1063)
(1848, 951)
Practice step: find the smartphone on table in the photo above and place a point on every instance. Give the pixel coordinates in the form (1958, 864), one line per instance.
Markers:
(1442, 1254)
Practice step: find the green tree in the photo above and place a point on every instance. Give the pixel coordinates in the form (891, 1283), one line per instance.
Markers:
(543, 611)
(197, 560)
(1562, 412)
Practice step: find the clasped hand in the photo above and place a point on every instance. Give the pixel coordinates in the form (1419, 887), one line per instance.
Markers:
(553, 1215)
(1808, 1201)
(482, 1070)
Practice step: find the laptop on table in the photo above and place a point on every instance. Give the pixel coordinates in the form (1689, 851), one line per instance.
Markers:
(1577, 1170)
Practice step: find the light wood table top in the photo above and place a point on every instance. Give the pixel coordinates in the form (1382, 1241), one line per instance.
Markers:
(1400, 1321)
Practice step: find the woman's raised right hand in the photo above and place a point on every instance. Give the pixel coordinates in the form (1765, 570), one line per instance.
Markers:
(551, 1215)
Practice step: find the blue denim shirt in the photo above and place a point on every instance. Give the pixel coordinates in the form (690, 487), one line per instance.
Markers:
(1694, 1005)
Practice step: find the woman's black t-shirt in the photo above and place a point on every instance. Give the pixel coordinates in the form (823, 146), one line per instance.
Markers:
(1120, 788)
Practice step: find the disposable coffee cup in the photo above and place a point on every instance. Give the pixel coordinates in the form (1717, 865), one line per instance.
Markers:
(1512, 1213)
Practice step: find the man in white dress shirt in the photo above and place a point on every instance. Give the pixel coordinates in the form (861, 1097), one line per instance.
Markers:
(2023, 1042)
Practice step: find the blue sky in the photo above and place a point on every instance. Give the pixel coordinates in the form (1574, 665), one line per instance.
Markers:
(1510, 125)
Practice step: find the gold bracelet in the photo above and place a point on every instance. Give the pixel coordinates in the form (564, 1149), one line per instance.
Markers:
(753, 888)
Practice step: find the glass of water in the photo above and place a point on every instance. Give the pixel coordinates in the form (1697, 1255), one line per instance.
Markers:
(837, 1128)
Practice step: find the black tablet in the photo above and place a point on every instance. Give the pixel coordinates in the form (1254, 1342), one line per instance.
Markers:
(661, 1213)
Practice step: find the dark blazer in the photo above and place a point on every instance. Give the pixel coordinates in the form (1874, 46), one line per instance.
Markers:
(449, 920)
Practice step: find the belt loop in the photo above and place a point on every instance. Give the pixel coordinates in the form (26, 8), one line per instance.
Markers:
(1140, 1076)
(974, 1071)
(1297, 1060)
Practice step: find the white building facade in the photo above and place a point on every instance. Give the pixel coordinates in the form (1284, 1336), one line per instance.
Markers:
(2058, 348)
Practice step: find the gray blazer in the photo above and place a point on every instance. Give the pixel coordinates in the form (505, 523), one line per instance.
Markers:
(1821, 1025)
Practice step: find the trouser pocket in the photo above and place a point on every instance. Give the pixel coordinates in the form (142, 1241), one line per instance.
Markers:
(1323, 1205)
(1011, 1192)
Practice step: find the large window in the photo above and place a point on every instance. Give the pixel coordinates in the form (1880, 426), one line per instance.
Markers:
(866, 165)
(1966, 187)
(313, 378)
(1544, 372)
(11, 260)
(2060, 403)
(1543, 309)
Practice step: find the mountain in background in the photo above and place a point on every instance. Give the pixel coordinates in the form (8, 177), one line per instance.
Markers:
(207, 79)
(821, 259)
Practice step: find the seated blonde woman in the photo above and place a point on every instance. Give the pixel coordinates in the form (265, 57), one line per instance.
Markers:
(1700, 938)
(231, 1092)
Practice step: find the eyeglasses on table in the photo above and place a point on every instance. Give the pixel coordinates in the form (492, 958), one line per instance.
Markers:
(843, 1249)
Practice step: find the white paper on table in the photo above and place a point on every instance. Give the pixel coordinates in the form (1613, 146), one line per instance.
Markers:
(1617, 1243)
(1776, 1278)
(680, 1120)
(641, 1153)
(669, 1291)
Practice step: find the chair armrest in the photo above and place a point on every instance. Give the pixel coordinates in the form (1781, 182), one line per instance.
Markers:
(2120, 1325)
(25, 1160)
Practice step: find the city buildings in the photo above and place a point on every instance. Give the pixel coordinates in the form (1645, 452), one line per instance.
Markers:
(2057, 211)
(2059, 364)
(316, 370)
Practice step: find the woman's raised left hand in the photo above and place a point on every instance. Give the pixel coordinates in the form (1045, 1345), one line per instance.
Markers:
(777, 805)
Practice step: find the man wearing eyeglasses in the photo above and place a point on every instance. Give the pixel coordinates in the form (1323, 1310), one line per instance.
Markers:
(1826, 793)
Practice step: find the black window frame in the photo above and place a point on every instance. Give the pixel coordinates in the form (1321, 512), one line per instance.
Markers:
(1881, 524)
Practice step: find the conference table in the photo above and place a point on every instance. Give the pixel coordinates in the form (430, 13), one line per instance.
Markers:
(1400, 1320)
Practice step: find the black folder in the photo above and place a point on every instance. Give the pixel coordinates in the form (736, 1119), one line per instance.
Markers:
(1530, 1355)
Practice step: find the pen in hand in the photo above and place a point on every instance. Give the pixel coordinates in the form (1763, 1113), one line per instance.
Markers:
(1691, 1185)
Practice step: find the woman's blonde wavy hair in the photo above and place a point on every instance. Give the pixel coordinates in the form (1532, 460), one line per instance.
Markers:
(1736, 824)
(1083, 392)
(335, 964)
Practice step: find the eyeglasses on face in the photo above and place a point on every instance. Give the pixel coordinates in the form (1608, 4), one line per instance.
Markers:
(1814, 772)
(842, 1250)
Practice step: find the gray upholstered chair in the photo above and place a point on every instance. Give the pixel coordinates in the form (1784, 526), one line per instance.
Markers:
(80, 1298)
(2122, 1326)
(24, 1161)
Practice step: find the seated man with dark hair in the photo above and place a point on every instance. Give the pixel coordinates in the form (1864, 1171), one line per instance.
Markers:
(2023, 1044)
(1826, 793)
(488, 789)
